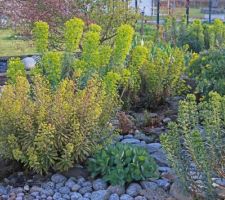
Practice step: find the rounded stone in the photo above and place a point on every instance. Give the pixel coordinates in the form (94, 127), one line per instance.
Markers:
(75, 196)
(99, 184)
(75, 187)
(133, 189)
(64, 190)
(86, 184)
(29, 63)
(70, 183)
(140, 198)
(3, 190)
(101, 194)
(66, 196)
(48, 192)
(114, 197)
(57, 196)
(87, 195)
(48, 185)
(58, 178)
(84, 190)
(117, 189)
(126, 197)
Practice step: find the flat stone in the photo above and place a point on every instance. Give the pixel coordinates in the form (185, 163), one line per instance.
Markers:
(100, 195)
(130, 141)
(153, 147)
(99, 184)
(133, 189)
(58, 178)
(114, 197)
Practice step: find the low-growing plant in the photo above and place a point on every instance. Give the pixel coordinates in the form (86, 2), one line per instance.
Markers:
(123, 163)
(208, 70)
(15, 68)
(48, 129)
(195, 143)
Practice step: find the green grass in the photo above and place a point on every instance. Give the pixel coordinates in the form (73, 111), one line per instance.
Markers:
(11, 46)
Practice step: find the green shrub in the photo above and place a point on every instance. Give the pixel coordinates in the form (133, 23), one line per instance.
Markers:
(73, 33)
(41, 34)
(123, 163)
(51, 66)
(122, 45)
(15, 68)
(208, 71)
(161, 74)
(48, 129)
(197, 140)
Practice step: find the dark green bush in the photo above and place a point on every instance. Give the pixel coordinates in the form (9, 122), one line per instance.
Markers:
(123, 163)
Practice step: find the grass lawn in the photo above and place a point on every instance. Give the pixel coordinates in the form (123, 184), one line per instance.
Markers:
(11, 46)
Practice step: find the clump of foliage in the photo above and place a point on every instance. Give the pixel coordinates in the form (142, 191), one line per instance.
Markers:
(123, 163)
(208, 70)
(48, 129)
(51, 67)
(15, 68)
(41, 34)
(196, 142)
(161, 74)
(73, 33)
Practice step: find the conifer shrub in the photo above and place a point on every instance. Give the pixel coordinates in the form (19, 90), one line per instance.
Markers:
(195, 143)
(47, 129)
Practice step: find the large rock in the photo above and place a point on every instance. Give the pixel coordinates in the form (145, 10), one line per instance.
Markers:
(133, 189)
(178, 192)
(29, 63)
(131, 141)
